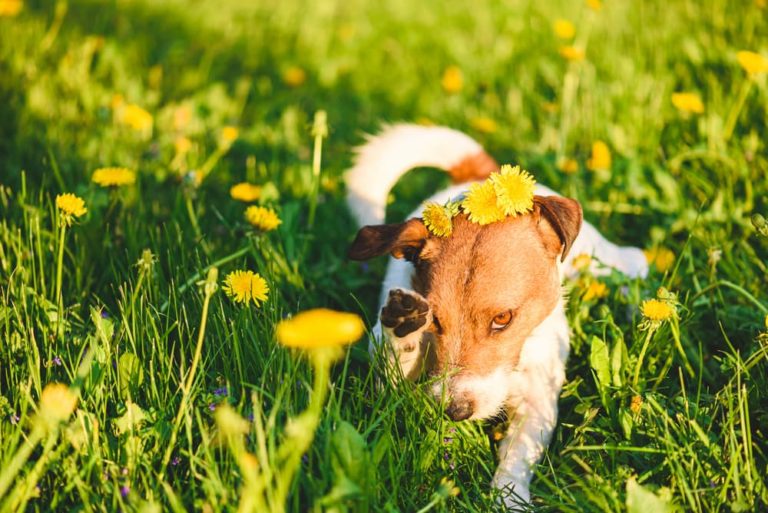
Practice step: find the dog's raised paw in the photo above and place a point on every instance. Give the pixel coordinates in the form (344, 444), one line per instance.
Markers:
(405, 312)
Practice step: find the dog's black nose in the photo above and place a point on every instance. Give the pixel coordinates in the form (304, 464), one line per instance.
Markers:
(459, 409)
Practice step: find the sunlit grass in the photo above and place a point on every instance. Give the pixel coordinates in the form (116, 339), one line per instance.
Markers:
(120, 302)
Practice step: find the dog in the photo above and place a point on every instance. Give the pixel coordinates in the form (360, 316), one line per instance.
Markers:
(481, 311)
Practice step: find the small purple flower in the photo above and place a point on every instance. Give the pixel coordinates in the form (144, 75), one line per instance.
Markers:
(305, 459)
(175, 461)
(56, 361)
(212, 406)
(104, 314)
(364, 267)
(447, 440)
(15, 419)
(220, 392)
(125, 490)
(446, 456)
(250, 416)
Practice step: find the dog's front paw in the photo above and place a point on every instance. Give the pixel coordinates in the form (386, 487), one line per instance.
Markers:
(405, 312)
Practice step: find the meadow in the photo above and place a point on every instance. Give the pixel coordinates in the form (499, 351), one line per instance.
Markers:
(176, 396)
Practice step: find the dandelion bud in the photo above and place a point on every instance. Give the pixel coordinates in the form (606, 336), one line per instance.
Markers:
(229, 422)
(760, 224)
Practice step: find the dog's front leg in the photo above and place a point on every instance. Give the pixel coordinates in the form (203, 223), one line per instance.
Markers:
(404, 319)
(528, 435)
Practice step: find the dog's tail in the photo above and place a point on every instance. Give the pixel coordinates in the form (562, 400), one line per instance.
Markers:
(385, 157)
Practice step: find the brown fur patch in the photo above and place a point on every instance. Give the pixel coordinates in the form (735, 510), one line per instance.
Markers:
(475, 167)
(480, 272)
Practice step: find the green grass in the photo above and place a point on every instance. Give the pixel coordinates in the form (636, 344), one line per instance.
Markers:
(690, 432)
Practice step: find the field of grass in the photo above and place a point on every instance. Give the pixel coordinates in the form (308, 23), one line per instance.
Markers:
(196, 96)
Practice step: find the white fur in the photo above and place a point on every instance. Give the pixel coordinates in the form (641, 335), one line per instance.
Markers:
(383, 159)
(530, 390)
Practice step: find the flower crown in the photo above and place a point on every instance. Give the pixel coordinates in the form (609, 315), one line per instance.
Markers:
(508, 192)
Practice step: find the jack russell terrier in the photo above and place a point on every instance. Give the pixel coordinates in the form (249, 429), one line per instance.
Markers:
(482, 310)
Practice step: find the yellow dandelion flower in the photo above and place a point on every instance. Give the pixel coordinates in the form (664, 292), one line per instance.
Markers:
(245, 286)
(484, 125)
(137, 118)
(480, 204)
(636, 404)
(229, 135)
(662, 258)
(656, 310)
(265, 219)
(601, 156)
(453, 80)
(514, 189)
(320, 328)
(10, 7)
(595, 5)
(57, 402)
(182, 145)
(564, 29)
(294, 76)
(113, 176)
(245, 191)
(753, 63)
(761, 4)
(688, 102)
(581, 262)
(595, 290)
(437, 219)
(70, 206)
(571, 53)
(568, 165)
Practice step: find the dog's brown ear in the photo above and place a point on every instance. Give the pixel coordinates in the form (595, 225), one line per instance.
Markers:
(564, 216)
(401, 240)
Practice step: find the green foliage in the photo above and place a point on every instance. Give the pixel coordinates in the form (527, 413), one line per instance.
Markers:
(680, 428)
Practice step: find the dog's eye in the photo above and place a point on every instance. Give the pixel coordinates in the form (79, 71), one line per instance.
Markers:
(501, 321)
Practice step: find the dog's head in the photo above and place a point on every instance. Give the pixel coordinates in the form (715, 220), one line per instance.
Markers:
(488, 287)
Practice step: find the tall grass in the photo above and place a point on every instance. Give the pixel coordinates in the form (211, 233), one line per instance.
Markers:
(680, 428)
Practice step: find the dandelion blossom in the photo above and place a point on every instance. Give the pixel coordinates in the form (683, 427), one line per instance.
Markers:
(595, 290)
(657, 311)
(57, 402)
(136, 118)
(568, 166)
(70, 205)
(753, 63)
(10, 7)
(484, 125)
(595, 5)
(437, 219)
(480, 204)
(113, 176)
(601, 157)
(245, 191)
(514, 189)
(571, 53)
(294, 76)
(229, 135)
(265, 219)
(688, 103)
(564, 29)
(581, 262)
(453, 80)
(245, 286)
(320, 328)
(662, 258)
